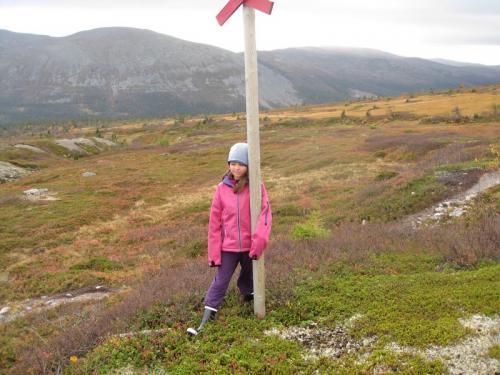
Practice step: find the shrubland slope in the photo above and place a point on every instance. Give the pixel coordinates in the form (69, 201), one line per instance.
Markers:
(340, 177)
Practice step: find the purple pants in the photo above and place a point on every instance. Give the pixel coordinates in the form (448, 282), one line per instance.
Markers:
(218, 288)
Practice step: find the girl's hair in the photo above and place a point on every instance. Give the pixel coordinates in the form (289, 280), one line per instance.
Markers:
(240, 184)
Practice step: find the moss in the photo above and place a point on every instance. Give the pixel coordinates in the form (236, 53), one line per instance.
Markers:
(411, 305)
(98, 264)
(494, 352)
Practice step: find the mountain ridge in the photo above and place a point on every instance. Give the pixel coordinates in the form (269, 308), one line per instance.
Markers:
(126, 72)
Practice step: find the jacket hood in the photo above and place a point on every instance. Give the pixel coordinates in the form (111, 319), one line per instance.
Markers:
(227, 180)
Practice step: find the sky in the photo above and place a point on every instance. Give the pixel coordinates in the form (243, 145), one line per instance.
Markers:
(461, 30)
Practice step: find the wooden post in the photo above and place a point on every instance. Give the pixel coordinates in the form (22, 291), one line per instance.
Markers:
(253, 139)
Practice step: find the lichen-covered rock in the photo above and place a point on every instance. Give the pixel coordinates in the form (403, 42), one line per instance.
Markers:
(9, 172)
(30, 148)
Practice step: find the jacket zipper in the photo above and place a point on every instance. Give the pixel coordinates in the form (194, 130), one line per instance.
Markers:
(238, 218)
(267, 211)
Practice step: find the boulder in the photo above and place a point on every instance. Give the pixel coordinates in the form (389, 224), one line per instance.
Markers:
(9, 172)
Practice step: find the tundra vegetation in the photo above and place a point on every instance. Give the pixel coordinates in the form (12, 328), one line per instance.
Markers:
(341, 177)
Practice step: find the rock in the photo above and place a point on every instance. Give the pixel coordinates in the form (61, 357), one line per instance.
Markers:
(4, 310)
(4, 277)
(457, 212)
(73, 144)
(9, 172)
(30, 148)
(88, 174)
(35, 192)
(39, 195)
(107, 142)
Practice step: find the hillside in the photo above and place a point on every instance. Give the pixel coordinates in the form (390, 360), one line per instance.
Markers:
(351, 287)
(131, 73)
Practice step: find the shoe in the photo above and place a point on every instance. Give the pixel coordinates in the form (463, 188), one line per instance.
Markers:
(208, 314)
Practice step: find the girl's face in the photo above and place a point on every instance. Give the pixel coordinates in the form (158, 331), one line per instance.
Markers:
(238, 170)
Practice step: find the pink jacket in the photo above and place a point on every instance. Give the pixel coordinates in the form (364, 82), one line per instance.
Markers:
(229, 228)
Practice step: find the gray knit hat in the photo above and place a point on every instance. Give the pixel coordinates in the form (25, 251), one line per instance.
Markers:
(238, 153)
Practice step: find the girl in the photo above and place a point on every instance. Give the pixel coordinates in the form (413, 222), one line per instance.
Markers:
(230, 240)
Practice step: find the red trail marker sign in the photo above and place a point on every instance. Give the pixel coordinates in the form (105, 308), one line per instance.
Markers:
(265, 6)
(253, 137)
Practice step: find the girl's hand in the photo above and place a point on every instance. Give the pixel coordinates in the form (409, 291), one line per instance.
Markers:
(214, 265)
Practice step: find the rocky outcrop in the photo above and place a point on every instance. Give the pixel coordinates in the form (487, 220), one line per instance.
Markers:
(77, 145)
(9, 172)
(30, 148)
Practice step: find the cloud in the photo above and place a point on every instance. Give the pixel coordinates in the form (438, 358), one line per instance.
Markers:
(114, 4)
(466, 39)
(408, 26)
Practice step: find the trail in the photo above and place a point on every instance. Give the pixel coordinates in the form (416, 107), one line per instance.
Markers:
(455, 206)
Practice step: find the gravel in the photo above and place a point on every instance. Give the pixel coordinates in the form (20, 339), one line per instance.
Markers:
(323, 341)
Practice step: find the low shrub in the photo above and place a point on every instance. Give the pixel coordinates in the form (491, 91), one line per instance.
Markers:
(312, 228)
(386, 175)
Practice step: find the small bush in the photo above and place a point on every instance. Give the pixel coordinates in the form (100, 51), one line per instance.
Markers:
(164, 141)
(196, 248)
(313, 228)
(98, 264)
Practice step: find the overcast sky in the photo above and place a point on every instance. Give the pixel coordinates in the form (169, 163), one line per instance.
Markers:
(463, 30)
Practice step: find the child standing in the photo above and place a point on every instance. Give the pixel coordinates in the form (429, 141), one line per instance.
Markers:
(230, 240)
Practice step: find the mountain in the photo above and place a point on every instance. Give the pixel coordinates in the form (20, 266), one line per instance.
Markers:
(326, 74)
(125, 72)
(455, 63)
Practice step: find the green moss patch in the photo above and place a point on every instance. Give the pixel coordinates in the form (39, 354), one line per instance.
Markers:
(98, 264)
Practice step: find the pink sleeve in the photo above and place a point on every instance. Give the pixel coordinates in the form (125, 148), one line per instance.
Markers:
(263, 231)
(215, 230)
